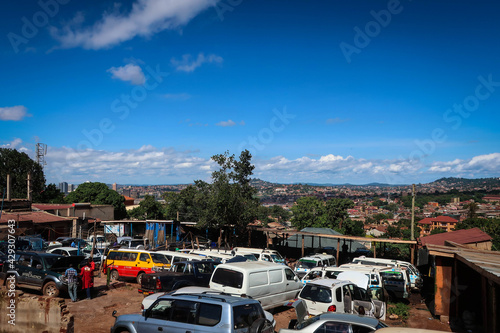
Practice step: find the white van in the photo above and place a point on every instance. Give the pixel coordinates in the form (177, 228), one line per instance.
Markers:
(269, 283)
(416, 280)
(395, 280)
(176, 256)
(261, 254)
(305, 264)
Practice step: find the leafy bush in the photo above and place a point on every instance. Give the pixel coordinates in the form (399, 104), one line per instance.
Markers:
(402, 310)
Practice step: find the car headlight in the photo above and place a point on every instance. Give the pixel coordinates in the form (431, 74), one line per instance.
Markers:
(157, 268)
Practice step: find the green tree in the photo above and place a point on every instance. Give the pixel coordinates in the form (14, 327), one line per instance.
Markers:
(99, 194)
(229, 199)
(394, 232)
(309, 212)
(437, 231)
(18, 165)
(51, 194)
(148, 208)
(280, 213)
(184, 204)
(472, 208)
(336, 212)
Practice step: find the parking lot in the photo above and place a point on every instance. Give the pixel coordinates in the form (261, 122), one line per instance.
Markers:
(95, 315)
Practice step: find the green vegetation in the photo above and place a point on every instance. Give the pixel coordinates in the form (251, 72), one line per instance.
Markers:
(402, 310)
(99, 194)
(313, 212)
(148, 208)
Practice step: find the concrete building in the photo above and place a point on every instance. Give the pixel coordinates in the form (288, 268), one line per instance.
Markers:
(428, 224)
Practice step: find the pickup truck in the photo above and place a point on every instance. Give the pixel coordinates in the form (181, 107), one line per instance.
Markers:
(181, 274)
(40, 271)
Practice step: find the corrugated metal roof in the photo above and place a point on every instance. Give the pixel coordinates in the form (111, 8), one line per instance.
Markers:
(35, 217)
(316, 242)
(487, 263)
(466, 236)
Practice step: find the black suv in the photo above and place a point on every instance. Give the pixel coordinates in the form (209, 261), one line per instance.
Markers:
(40, 271)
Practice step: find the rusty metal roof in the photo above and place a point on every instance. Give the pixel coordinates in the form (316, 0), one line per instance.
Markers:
(486, 263)
(465, 236)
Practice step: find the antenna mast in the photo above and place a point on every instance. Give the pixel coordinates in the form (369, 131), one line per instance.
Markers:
(41, 151)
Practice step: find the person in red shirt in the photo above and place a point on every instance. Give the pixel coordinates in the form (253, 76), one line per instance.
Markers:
(86, 274)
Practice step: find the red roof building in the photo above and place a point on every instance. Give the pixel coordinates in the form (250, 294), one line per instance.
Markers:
(475, 238)
(428, 224)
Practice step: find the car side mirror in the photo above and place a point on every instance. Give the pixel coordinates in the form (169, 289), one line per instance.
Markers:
(38, 266)
(148, 260)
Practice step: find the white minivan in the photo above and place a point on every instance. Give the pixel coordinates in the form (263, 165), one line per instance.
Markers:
(305, 264)
(269, 283)
(261, 254)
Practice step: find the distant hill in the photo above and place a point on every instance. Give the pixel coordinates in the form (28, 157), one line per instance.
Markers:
(453, 181)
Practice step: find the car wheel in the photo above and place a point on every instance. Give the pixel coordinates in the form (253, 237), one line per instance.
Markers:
(114, 275)
(50, 289)
(139, 277)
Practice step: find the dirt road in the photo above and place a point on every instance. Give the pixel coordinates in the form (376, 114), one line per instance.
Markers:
(94, 315)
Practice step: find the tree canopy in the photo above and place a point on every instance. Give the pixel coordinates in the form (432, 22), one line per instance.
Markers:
(18, 165)
(313, 212)
(148, 208)
(229, 199)
(99, 194)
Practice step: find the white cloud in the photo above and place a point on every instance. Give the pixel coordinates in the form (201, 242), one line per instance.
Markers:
(228, 123)
(129, 72)
(14, 113)
(481, 164)
(187, 64)
(146, 18)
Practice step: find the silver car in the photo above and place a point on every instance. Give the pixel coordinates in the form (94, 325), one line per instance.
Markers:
(200, 313)
(336, 323)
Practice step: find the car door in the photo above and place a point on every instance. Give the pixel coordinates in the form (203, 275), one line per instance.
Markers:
(33, 271)
(293, 284)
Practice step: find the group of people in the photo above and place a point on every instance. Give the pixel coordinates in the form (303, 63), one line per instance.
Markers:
(71, 275)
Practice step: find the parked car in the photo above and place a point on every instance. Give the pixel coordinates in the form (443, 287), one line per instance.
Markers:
(305, 264)
(331, 295)
(270, 283)
(133, 243)
(132, 263)
(40, 271)
(261, 254)
(149, 300)
(336, 323)
(197, 313)
(416, 280)
(73, 251)
(181, 274)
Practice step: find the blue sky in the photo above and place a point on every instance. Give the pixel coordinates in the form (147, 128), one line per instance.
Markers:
(145, 91)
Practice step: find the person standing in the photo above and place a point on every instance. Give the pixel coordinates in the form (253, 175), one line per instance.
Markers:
(86, 274)
(71, 274)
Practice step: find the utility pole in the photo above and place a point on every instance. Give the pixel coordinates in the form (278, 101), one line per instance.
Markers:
(412, 223)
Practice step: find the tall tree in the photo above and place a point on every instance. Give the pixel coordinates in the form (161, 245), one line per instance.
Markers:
(229, 199)
(309, 212)
(51, 194)
(99, 194)
(18, 165)
(336, 211)
(148, 208)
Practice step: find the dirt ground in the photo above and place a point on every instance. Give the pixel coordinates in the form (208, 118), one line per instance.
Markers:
(95, 315)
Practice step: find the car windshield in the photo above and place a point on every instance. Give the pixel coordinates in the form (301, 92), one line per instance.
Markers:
(50, 261)
(392, 276)
(277, 258)
(316, 293)
(159, 258)
(312, 275)
(228, 277)
(308, 264)
(245, 315)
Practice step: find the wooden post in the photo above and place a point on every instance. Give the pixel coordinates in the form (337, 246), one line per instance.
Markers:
(375, 250)
(338, 251)
(302, 245)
